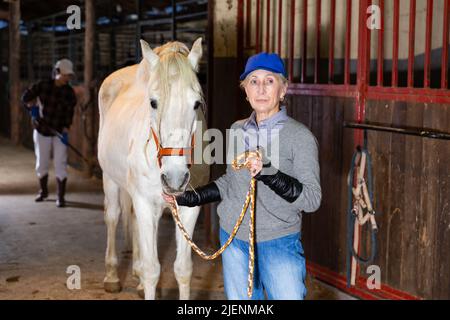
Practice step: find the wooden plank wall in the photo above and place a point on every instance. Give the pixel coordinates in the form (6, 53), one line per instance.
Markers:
(324, 231)
(411, 187)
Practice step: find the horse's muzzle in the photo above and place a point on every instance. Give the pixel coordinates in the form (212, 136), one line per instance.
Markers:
(174, 184)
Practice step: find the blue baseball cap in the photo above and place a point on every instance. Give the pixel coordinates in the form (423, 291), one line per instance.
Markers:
(266, 61)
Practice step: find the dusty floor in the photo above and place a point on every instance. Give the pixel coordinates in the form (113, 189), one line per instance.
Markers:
(38, 242)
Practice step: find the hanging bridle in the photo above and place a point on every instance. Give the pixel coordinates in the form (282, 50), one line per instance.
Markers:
(168, 152)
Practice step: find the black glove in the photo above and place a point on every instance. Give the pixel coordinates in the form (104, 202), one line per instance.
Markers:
(205, 194)
(285, 186)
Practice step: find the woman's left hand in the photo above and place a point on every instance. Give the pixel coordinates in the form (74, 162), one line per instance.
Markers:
(254, 166)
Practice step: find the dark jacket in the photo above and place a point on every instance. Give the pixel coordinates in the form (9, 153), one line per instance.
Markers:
(58, 105)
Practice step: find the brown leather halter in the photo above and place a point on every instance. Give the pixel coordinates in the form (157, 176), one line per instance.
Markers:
(167, 152)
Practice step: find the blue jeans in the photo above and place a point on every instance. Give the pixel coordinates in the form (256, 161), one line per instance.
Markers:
(280, 268)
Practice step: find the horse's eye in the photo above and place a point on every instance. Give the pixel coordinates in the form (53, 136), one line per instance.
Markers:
(153, 103)
(197, 104)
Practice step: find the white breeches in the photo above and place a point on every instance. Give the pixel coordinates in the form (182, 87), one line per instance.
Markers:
(43, 148)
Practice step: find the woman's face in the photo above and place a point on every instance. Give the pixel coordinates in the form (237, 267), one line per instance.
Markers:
(264, 91)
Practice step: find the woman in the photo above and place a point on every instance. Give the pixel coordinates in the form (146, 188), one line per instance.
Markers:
(288, 183)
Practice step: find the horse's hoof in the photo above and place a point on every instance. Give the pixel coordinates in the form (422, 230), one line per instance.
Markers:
(112, 287)
(141, 293)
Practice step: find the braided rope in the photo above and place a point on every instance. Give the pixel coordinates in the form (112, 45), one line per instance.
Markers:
(242, 161)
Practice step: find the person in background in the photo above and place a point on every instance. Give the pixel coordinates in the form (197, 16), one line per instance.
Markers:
(51, 104)
(285, 188)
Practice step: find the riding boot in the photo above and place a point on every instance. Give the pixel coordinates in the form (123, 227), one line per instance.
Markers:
(61, 202)
(43, 193)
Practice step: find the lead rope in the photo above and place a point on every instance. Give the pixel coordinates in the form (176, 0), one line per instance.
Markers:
(242, 161)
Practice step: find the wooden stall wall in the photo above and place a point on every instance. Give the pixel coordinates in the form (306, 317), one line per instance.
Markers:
(411, 187)
(324, 232)
(411, 192)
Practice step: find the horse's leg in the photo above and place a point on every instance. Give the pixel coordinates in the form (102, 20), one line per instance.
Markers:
(147, 216)
(126, 214)
(183, 262)
(136, 256)
(112, 214)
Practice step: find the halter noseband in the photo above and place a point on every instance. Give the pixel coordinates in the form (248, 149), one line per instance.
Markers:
(167, 152)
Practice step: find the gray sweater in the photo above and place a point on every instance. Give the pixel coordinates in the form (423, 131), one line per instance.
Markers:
(275, 217)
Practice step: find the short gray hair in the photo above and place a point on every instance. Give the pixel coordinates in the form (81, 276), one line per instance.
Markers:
(280, 77)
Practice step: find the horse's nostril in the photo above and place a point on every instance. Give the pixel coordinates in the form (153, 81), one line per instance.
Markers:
(186, 179)
(164, 179)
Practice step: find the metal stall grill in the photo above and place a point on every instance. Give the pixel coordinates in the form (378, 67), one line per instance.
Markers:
(304, 33)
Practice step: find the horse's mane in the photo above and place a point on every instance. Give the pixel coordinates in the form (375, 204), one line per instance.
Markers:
(175, 66)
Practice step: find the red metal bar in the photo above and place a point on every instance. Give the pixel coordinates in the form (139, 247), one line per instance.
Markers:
(420, 95)
(395, 43)
(362, 84)
(412, 42)
(363, 60)
(248, 23)
(444, 74)
(268, 15)
(291, 42)
(348, 43)
(305, 40)
(258, 30)
(428, 35)
(332, 90)
(331, 42)
(280, 24)
(361, 291)
(338, 282)
(318, 25)
(380, 58)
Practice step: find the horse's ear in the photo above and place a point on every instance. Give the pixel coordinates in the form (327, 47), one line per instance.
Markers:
(196, 53)
(148, 53)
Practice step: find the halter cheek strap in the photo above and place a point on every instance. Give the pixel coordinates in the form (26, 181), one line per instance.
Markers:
(167, 152)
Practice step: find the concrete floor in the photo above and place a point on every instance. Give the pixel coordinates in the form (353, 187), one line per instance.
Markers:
(39, 242)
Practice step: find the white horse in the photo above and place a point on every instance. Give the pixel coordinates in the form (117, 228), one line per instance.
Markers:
(161, 93)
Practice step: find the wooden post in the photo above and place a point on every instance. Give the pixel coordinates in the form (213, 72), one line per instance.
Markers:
(89, 38)
(209, 234)
(14, 70)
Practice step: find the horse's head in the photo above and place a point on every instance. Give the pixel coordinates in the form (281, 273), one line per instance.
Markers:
(174, 94)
